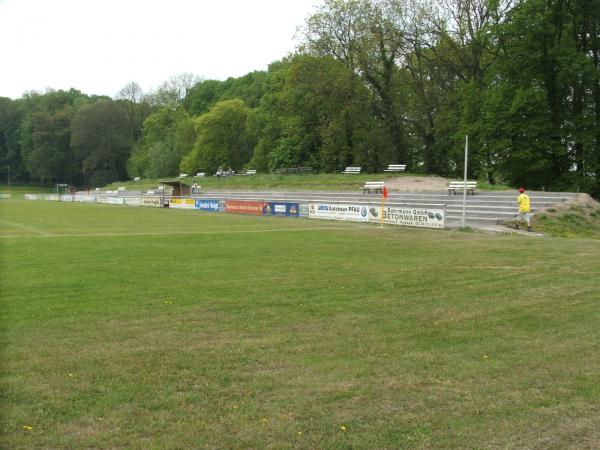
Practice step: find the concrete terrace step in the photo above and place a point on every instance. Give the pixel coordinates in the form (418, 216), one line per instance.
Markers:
(484, 207)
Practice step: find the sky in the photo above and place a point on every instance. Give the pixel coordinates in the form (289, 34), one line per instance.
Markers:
(98, 46)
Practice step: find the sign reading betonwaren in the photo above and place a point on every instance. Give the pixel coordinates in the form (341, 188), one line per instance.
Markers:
(411, 217)
(338, 211)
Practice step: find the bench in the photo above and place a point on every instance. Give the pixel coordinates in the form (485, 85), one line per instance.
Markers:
(460, 185)
(376, 186)
(247, 172)
(396, 168)
(285, 170)
(352, 170)
(200, 174)
(183, 175)
(136, 179)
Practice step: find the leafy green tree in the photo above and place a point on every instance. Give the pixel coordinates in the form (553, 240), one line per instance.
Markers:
(45, 135)
(168, 135)
(102, 141)
(206, 94)
(316, 113)
(11, 163)
(222, 140)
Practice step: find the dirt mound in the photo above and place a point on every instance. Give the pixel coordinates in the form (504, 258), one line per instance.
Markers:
(417, 184)
(579, 217)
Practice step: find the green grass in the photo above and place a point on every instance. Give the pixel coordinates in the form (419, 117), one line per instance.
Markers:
(148, 328)
(19, 191)
(323, 181)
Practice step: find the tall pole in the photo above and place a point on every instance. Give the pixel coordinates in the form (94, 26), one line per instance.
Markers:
(464, 209)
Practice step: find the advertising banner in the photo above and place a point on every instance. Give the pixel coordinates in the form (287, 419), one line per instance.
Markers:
(31, 197)
(407, 216)
(303, 209)
(84, 198)
(133, 201)
(282, 209)
(182, 203)
(115, 200)
(338, 211)
(244, 207)
(154, 201)
(207, 204)
(53, 197)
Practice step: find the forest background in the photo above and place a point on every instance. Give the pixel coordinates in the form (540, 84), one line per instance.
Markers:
(372, 83)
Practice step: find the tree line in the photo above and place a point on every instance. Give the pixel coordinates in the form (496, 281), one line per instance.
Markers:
(372, 83)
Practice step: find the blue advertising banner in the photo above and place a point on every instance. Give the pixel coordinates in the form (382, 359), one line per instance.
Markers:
(207, 204)
(282, 209)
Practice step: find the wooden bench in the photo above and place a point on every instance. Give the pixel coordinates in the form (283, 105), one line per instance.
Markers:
(352, 170)
(246, 172)
(396, 168)
(460, 185)
(376, 186)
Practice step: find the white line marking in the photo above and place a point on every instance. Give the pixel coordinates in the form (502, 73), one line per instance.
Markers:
(38, 233)
(176, 233)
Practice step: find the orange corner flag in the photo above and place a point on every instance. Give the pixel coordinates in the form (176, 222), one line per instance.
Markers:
(385, 192)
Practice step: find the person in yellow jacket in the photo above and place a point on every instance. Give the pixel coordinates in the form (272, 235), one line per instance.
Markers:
(524, 209)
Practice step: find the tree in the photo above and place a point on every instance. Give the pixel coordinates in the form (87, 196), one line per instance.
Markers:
(223, 139)
(102, 142)
(167, 136)
(170, 93)
(11, 163)
(206, 94)
(316, 113)
(44, 135)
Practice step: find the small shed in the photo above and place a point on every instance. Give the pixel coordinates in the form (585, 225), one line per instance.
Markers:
(178, 188)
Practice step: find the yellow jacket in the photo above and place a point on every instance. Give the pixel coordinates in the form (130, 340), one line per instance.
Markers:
(524, 203)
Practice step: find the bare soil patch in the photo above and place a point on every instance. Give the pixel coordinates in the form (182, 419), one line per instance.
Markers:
(417, 184)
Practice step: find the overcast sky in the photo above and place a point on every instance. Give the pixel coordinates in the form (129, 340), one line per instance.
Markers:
(98, 46)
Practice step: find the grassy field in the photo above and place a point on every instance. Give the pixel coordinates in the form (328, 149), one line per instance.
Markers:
(20, 191)
(148, 328)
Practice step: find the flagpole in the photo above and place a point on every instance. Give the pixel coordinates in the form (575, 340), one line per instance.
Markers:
(464, 205)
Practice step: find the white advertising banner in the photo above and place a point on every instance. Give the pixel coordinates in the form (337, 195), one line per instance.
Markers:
(133, 201)
(85, 198)
(338, 211)
(31, 197)
(408, 216)
(115, 200)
